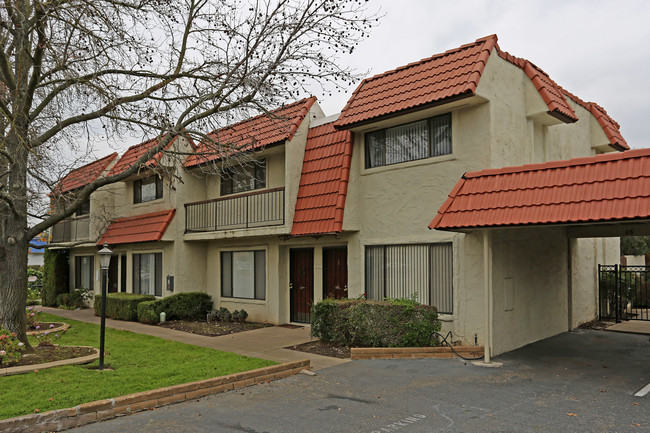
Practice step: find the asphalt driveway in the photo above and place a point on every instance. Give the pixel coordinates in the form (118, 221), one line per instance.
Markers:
(582, 381)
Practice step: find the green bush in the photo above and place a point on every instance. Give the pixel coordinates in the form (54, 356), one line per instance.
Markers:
(147, 312)
(361, 323)
(121, 306)
(77, 298)
(181, 306)
(55, 275)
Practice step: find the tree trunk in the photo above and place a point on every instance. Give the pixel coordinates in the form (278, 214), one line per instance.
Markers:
(13, 282)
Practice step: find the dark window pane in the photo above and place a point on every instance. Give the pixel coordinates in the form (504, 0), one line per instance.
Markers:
(84, 209)
(136, 273)
(158, 275)
(226, 274)
(260, 274)
(375, 149)
(137, 187)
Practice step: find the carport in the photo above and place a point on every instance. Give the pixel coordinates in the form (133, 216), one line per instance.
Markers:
(530, 219)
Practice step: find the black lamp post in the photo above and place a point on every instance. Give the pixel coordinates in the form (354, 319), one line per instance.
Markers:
(104, 261)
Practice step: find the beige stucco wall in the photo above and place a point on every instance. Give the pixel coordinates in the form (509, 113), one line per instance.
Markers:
(275, 308)
(529, 284)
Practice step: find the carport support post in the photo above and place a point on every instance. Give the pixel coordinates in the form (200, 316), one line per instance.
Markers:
(486, 286)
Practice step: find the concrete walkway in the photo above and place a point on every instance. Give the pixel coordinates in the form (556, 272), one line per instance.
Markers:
(631, 327)
(266, 343)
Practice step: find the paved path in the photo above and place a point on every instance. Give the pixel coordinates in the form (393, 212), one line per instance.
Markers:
(632, 327)
(581, 381)
(266, 343)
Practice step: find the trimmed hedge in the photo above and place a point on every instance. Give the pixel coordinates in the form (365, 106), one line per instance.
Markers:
(121, 306)
(181, 306)
(361, 323)
(55, 276)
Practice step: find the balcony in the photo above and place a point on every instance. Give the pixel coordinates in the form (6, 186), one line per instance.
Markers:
(250, 210)
(72, 230)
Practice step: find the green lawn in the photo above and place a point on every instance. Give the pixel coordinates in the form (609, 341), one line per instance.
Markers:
(140, 363)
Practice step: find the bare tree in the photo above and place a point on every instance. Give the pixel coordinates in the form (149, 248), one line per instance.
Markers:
(101, 69)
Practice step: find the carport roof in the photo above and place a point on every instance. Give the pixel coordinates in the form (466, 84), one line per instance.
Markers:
(603, 188)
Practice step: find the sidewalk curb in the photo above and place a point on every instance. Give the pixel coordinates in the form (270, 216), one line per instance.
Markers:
(63, 419)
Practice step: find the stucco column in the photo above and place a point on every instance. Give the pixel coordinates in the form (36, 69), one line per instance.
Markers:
(487, 296)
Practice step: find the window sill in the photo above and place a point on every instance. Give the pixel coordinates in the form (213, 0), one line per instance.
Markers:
(408, 164)
(243, 300)
(446, 317)
(144, 203)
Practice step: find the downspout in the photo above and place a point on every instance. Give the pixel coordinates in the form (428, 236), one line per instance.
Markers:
(488, 298)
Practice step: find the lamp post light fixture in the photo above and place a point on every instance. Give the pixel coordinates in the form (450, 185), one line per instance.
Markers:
(104, 261)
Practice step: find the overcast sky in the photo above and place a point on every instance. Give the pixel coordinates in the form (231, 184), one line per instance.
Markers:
(598, 50)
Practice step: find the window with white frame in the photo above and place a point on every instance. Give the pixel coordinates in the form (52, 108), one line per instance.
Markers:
(402, 271)
(243, 274)
(147, 274)
(83, 272)
(416, 140)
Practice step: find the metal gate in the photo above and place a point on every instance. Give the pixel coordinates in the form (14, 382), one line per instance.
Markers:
(623, 292)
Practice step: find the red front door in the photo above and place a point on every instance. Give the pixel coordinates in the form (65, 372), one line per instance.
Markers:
(335, 273)
(301, 284)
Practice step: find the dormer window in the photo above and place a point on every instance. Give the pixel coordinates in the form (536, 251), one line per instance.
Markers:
(242, 178)
(84, 209)
(416, 140)
(147, 189)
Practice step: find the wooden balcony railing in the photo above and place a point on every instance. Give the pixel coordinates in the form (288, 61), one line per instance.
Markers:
(253, 209)
(72, 230)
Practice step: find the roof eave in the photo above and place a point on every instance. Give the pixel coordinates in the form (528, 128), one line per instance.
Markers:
(349, 126)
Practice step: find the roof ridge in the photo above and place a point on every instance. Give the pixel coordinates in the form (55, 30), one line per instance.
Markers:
(573, 162)
(483, 40)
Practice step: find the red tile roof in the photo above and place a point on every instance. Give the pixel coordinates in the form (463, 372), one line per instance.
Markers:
(610, 127)
(323, 182)
(134, 153)
(608, 187)
(551, 93)
(84, 175)
(254, 133)
(141, 228)
(454, 73)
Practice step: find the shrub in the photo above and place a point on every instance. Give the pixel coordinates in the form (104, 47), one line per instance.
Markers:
(181, 306)
(391, 323)
(121, 306)
(34, 287)
(77, 298)
(55, 275)
(147, 312)
(239, 316)
(10, 348)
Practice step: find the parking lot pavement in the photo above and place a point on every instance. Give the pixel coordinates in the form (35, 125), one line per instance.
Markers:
(582, 381)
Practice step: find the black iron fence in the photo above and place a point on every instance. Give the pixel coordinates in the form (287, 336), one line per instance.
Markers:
(255, 209)
(623, 292)
(71, 230)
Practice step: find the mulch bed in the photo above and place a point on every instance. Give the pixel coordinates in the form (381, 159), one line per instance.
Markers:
(321, 348)
(212, 329)
(44, 326)
(43, 354)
